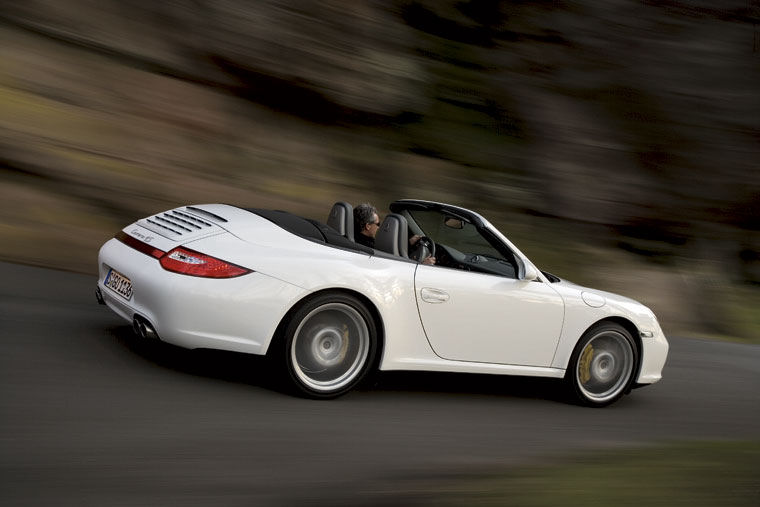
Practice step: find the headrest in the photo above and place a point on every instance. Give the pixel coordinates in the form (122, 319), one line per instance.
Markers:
(342, 219)
(392, 237)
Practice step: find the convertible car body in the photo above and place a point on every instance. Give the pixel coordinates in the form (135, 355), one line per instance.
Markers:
(327, 310)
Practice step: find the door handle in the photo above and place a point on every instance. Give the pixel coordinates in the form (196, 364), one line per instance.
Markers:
(429, 295)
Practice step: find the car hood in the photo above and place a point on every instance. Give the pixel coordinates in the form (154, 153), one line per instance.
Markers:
(607, 302)
(594, 295)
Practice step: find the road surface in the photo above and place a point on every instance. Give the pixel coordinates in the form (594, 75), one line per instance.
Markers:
(92, 416)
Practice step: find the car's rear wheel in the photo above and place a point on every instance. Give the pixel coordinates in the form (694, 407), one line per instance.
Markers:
(602, 366)
(330, 344)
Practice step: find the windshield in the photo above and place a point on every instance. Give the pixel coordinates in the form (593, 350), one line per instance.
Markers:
(460, 244)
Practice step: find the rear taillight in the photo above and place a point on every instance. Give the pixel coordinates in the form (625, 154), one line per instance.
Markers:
(185, 261)
(189, 262)
(139, 245)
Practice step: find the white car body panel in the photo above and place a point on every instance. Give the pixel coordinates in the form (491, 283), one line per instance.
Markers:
(200, 313)
(487, 318)
(580, 316)
(474, 331)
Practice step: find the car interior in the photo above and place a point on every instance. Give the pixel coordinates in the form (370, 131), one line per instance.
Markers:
(465, 246)
(453, 240)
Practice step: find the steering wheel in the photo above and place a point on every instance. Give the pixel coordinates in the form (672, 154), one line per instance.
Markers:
(423, 248)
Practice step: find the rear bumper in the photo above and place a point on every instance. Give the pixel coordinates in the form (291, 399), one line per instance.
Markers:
(238, 314)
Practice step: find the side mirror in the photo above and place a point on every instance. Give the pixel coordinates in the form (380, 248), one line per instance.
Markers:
(531, 273)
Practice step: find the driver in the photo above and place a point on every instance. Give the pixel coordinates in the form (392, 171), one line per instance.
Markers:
(366, 224)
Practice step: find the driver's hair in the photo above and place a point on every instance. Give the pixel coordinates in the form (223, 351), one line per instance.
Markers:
(363, 215)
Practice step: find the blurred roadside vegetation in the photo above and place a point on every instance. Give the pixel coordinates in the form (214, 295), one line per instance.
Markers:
(617, 143)
(702, 474)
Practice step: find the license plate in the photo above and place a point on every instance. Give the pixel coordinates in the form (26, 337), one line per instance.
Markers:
(119, 283)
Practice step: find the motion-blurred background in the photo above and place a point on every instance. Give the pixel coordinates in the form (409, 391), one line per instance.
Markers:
(616, 142)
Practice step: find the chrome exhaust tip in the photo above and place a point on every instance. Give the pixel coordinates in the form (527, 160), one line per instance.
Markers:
(150, 333)
(138, 328)
(143, 328)
(99, 296)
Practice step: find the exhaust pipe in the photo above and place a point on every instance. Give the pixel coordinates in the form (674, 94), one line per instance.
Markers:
(137, 328)
(99, 296)
(143, 328)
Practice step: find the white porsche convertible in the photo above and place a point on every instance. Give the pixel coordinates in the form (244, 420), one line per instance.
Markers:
(327, 310)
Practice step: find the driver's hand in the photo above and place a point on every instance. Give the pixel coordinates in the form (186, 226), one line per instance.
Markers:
(414, 239)
(429, 260)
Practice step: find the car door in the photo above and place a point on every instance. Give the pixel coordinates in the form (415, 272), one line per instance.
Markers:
(470, 316)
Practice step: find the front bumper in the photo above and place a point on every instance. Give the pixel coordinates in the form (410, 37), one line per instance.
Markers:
(654, 351)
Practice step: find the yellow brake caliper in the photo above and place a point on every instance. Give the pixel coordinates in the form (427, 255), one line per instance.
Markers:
(584, 366)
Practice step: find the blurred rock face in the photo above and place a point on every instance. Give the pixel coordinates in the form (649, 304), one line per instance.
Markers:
(350, 54)
(665, 90)
(354, 54)
(641, 118)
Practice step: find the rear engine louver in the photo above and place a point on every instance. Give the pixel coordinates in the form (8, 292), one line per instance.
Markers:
(178, 224)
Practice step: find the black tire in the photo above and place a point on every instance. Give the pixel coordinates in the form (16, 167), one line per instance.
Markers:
(602, 366)
(328, 346)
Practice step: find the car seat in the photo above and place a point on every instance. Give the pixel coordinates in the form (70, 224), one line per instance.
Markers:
(392, 237)
(341, 219)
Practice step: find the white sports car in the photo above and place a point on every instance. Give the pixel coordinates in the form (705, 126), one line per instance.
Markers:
(328, 310)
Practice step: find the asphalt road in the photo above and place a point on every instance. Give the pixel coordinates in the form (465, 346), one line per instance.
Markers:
(92, 416)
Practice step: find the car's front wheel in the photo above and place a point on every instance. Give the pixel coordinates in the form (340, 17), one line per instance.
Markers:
(330, 343)
(602, 366)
